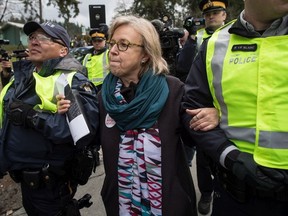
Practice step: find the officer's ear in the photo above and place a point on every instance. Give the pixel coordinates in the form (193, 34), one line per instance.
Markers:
(63, 51)
(224, 15)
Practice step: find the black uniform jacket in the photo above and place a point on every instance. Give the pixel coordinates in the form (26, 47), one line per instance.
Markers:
(50, 141)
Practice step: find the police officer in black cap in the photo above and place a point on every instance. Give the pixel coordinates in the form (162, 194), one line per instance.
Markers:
(97, 59)
(214, 13)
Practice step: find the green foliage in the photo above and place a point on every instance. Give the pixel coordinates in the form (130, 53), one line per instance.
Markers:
(234, 9)
(32, 9)
(72, 28)
(17, 20)
(67, 8)
(177, 10)
(154, 9)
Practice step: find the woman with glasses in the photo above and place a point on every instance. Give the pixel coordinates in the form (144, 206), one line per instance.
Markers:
(144, 160)
(145, 163)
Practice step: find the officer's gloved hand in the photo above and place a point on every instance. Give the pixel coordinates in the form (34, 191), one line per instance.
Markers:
(246, 169)
(276, 174)
(20, 114)
(72, 209)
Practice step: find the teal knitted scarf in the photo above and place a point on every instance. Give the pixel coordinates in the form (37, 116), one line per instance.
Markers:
(143, 111)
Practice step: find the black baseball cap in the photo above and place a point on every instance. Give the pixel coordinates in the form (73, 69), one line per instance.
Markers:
(52, 29)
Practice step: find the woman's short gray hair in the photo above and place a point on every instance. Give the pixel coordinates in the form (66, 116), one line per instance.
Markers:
(151, 41)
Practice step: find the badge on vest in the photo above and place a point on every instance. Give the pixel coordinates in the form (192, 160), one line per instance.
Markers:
(87, 87)
(109, 122)
(244, 47)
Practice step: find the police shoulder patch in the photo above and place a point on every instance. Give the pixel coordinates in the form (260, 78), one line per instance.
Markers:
(87, 87)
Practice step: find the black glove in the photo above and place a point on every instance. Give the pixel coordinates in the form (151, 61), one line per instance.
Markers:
(21, 114)
(276, 174)
(247, 170)
(190, 26)
(82, 166)
(71, 209)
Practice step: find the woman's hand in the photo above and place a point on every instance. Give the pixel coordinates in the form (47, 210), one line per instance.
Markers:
(204, 119)
(62, 104)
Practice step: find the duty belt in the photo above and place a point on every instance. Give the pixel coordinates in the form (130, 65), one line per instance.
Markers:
(240, 191)
(35, 178)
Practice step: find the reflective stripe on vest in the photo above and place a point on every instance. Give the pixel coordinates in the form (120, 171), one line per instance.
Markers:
(45, 89)
(201, 35)
(97, 67)
(250, 89)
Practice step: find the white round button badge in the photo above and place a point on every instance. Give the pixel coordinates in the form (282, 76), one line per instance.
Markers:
(109, 122)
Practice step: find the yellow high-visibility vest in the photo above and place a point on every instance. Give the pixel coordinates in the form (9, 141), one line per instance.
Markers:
(201, 36)
(248, 80)
(45, 88)
(96, 67)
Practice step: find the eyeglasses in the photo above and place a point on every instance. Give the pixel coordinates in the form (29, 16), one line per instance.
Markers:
(42, 39)
(122, 45)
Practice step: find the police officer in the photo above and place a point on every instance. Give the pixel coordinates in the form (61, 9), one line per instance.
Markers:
(97, 59)
(36, 146)
(214, 13)
(235, 72)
